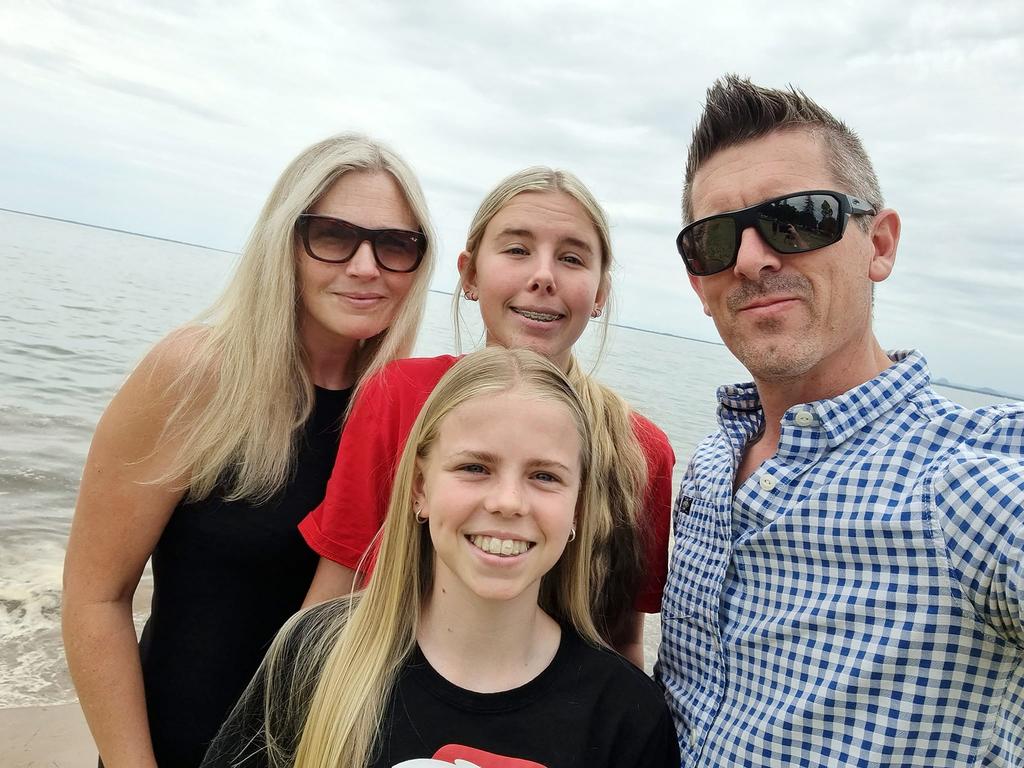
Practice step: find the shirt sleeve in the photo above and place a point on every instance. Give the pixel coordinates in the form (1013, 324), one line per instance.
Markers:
(978, 500)
(656, 512)
(344, 526)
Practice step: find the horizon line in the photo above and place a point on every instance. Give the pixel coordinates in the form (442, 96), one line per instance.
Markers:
(939, 381)
(119, 231)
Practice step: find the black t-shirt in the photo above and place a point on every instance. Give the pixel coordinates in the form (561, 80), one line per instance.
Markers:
(590, 708)
(226, 576)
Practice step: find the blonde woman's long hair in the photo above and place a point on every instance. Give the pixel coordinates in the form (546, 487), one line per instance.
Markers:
(330, 672)
(245, 390)
(619, 463)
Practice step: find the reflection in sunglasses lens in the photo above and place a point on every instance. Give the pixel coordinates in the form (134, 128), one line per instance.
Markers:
(397, 251)
(718, 243)
(801, 223)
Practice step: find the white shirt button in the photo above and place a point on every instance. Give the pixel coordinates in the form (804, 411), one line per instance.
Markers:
(804, 418)
(767, 482)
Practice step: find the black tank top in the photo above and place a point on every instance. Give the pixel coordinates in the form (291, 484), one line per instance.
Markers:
(226, 576)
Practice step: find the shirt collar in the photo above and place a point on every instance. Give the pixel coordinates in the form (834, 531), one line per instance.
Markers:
(839, 417)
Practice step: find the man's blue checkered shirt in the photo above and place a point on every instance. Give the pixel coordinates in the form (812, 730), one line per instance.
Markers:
(860, 599)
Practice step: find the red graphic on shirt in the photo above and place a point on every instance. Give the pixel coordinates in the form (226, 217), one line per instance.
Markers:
(481, 759)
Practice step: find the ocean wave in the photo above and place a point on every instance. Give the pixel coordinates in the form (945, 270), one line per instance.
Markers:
(28, 480)
(33, 671)
(15, 417)
(46, 351)
(32, 668)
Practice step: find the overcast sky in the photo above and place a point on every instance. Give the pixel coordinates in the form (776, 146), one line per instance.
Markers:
(174, 118)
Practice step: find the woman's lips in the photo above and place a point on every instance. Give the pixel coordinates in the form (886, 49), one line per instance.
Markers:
(361, 299)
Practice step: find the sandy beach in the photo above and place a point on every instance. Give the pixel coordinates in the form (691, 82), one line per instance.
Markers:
(50, 737)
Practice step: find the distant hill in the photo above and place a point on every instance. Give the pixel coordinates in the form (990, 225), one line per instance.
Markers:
(982, 390)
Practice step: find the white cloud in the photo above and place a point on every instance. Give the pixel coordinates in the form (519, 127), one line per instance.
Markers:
(174, 118)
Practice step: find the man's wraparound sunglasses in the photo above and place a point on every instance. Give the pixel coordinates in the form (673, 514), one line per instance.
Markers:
(795, 223)
(336, 241)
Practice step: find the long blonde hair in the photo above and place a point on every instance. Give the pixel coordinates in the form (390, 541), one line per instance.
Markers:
(330, 672)
(245, 390)
(618, 460)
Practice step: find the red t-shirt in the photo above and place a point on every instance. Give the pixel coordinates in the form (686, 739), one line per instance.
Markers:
(346, 522)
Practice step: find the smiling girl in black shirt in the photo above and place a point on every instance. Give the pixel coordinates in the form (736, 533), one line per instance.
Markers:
(474, 640)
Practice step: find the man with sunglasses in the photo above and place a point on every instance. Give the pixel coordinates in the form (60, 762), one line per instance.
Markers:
(847, 577)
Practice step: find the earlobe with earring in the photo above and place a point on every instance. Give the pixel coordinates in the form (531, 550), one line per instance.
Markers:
(471, 295)
(572, 535)
(596, 312)
(416, 513)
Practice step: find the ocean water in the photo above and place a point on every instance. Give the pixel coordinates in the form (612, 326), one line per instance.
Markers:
(79, 306)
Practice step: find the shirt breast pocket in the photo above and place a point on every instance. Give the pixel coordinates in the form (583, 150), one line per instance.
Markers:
(695, 561)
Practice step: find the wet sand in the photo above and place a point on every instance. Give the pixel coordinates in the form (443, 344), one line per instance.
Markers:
(45, 737)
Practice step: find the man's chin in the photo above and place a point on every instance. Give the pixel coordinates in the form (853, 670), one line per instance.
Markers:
(774, 359)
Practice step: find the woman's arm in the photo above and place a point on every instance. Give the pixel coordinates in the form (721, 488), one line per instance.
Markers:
(629, 638)
(330, 580)
(118, 520)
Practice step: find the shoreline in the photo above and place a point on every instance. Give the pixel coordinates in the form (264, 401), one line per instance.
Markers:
(54, 736)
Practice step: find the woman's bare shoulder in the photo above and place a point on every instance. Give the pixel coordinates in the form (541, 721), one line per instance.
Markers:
(174, 354)
(167, 376)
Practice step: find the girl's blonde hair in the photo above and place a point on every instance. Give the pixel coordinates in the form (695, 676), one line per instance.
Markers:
(244, 389)
(619, 463)
(329, 674)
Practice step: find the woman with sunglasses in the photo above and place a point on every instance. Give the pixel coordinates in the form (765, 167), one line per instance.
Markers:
(222, 439)
(538, 260)
(458, 654)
